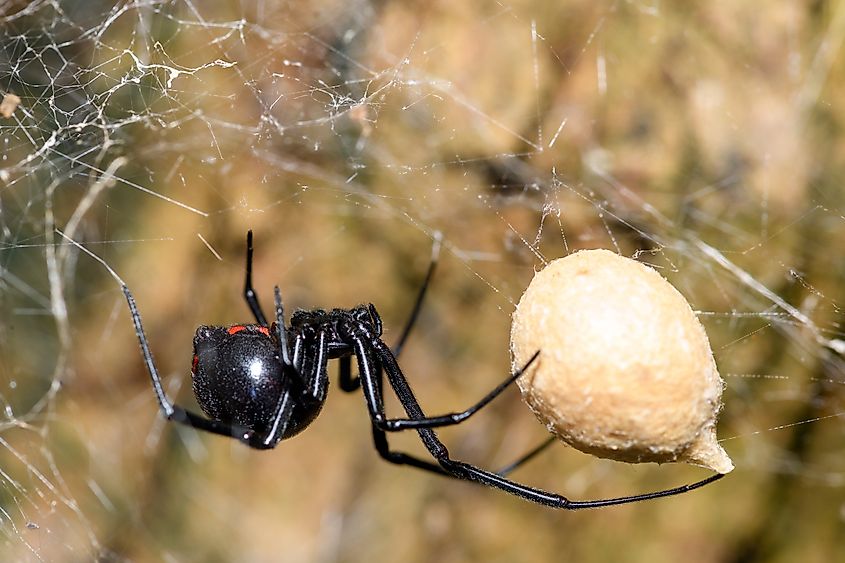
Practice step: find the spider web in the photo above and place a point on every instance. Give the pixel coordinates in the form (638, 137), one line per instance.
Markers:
(351, 137)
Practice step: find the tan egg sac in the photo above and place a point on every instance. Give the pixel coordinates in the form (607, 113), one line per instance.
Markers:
(625, 369)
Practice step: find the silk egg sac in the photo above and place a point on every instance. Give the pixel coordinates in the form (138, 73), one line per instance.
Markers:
(625, 368)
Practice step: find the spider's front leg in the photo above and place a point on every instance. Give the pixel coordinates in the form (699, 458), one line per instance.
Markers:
(399, 424)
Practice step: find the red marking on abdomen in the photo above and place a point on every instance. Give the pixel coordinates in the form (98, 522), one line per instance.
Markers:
(239, 328)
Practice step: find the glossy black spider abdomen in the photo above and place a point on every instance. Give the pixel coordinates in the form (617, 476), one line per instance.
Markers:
(237, 375)
(238, 378)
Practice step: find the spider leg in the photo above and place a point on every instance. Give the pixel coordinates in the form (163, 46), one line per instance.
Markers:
(249, 293)
(317, 384)
(315, 365)
(347, 382)
(180, 414)
(398, 424)
(311, 388)
(163, 402)
(402, 458)
(372, 385)
(415, 312)
(297, 359)
(281, 333)
(371, 382)
(526, 457)
(462, 470)
(382, 447)
(276, 431)
(314, 386)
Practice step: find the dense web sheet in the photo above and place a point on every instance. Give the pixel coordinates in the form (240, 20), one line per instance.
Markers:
(350, 136)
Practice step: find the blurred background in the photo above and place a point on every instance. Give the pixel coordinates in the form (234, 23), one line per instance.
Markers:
(704, 139)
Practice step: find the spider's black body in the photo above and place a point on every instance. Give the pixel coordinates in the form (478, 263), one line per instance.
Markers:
(238, 375)
(261, 383)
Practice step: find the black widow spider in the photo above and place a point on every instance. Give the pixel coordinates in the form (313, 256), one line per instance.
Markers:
(261, 383)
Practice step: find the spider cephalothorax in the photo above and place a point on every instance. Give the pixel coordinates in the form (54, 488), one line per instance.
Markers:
(261, 383)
